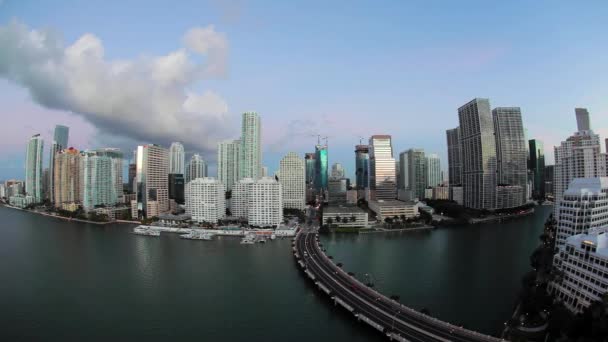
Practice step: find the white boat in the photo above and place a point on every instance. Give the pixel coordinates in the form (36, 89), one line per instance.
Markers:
(248, 240)
(197, 235)
(146, 232)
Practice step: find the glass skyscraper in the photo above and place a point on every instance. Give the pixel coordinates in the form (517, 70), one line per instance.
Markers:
(362, 166)
(60, 142)
(228, 156)
(511, 156)
(454, 157)
(321, 167)
(33, 168)
(433, 170)
(309, 160)
(177, 158)
(383, 182)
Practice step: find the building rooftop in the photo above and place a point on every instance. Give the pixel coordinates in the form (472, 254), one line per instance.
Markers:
(393, 203)
(335, 209)
(587, 186)
(597, 237)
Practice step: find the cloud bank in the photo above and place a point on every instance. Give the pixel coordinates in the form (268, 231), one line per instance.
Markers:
(145, 99)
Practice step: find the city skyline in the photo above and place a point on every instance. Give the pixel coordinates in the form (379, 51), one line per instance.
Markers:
(493, 57)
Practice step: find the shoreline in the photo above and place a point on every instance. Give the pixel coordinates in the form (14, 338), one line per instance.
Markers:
(501, 218)
(69, 218)
(426, 227)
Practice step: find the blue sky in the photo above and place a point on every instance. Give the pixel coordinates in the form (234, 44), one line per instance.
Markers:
(344, 69)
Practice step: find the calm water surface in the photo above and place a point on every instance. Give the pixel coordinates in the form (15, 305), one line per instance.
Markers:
(65, 280)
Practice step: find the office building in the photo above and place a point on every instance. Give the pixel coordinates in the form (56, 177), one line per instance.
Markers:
(100, 177)
(266, 203)
(292, 174)
(337, 171)
(454, 157)
(205, 200)
(152, 185)
(549, 170)
(196, 168)
(264, 171)
(584, 205)
(537, 166)
(67, 176)
(177, 185)
(578, 157)
(336, 190)
(250, 165)
(177, 158)
(131, 174)
(309, 160)
(393, 208)
(33, 168)
(362, 166)
(345, 216)
(414, 174)
(582, 263)
(60, 142)
(433, 170)
(478, 147)
(241, 195)
(383, 182)
(228, 156)
(511, 158)
(321, 166)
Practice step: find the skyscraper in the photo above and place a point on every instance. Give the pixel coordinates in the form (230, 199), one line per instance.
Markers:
(241, 195)
(33, 168)
(176, 187)
(60, 142)
(362, 166)
(177, 158)
(454, 157)
(152, 188)
(250, 165)
(414, 170)
(67, 176)
(478, 154)
(321, 165)
(511, 156)
(537, 167)
(196, 168)
(578, 157)
(433, 170)
(292, 175)
(228, 156)
(383, 185)
(309, 159)
(100, 177)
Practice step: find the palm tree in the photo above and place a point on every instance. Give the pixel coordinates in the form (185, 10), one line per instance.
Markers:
(330, 221)
(338, 219)
(353, 219)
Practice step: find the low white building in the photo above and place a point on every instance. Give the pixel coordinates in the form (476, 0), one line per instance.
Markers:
(392, 208)
(441, 193)
(20, 201)
(265, 203)
(584, 205)
(345, 216)
(583, 260)
(205, 199)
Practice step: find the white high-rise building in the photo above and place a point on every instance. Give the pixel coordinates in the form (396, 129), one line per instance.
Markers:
(205, 199)
(578, 157)
(67, 176)
(241, 194)
(383, 180)
(583, 262)
(196, 168)
(250, 165)
(152, 176)
(177, 158)
(266, 203)
(228, 156)
(433, 170)
(292, 175)
(584, 205)
(33, 168)
(478, 151)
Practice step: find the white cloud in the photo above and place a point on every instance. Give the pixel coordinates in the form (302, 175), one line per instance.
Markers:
(145, 99)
